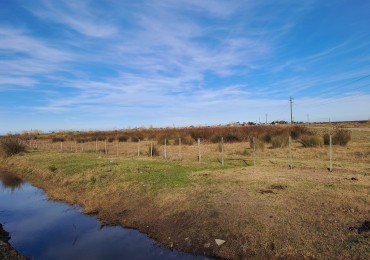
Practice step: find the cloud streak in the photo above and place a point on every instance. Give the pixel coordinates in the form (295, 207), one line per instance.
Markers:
(188, 60)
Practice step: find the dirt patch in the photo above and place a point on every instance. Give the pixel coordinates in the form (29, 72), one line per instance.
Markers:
(271, 188)
(263, 191)
(278, 187)
(365, 227)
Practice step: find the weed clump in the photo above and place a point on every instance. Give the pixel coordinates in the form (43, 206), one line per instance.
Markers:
(52, 168)
(122, 138)
(232, 137)
(153, 151)
(342, 137)
(58, 139)
(255, 142)
(339, 137)
(11, 145)
(279, 141)
(310, 141)
(186, 139)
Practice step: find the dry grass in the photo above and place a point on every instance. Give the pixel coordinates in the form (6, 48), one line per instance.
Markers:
(262, 212)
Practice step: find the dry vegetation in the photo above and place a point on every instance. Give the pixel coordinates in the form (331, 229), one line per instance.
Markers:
(264, 211)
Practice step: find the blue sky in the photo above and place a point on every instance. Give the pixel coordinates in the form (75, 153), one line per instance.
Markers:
(116, 64)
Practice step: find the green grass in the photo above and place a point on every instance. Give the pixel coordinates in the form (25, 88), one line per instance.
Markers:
(89, 171)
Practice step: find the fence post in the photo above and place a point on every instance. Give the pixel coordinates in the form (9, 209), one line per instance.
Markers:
(75, 146)
(138, 148)
(180, 152)
(151, 149)
(254, 152)
(199, 154)
(165, 148)
(96, 145)
(330, 155)
(117, 148)
(82, 147)
(222, 151)
(290, 153)
(105, 147)
(61, 146)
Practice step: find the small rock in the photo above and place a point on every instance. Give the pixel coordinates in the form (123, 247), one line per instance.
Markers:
(219, 242)
(352, 210)
(188, 241)
(207, 245)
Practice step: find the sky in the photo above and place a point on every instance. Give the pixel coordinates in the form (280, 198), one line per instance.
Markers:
(117, 64)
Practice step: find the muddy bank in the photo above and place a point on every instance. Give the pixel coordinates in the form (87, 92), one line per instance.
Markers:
(6, 250)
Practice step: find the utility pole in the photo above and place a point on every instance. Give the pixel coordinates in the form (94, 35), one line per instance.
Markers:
(266, 118)
(291, 110)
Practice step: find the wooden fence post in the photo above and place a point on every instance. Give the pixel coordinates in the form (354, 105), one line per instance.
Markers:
(199, 154)
(330, 155)
(96, 145)
(180, 152)
(254, 152)
(222, 151)
(165, 148)
(151, 149)
(105, 147)
(61, 146)
(138, 148)
(290, 153)
(117, 148)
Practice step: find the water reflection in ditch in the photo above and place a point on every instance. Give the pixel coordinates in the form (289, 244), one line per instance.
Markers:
(43, 229)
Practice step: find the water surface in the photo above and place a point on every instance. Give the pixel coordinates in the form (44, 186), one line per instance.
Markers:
(43, 229)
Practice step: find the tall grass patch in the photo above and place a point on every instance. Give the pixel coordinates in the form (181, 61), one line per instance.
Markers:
(279, 141)
(310, 141)
(339, 137)
(11, 145)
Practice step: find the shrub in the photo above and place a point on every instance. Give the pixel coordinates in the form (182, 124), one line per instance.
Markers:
(100, 138)
(215, 138)
(260, 145)
(161, 139)
(111, 139)
(52, 168)
(341, 137)
(232, 137)
(297, 131)
(279, 141)
(326, 138)
(310, 141)
(122, 138)
(153, 150)
(58, 139)
(136, 138)
(11, 145)
(186, 139)
(267, 138)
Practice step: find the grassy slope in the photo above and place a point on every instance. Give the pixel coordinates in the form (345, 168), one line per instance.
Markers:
(267, 211)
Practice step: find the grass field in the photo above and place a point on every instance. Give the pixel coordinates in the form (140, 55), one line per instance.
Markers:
(262, 211)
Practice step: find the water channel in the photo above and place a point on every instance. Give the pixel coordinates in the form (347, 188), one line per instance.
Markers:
(44, 229)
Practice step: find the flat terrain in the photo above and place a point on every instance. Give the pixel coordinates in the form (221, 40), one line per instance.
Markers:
(261, 211)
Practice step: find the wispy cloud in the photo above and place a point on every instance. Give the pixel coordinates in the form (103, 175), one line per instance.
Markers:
(180, 61)
(78, 16)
